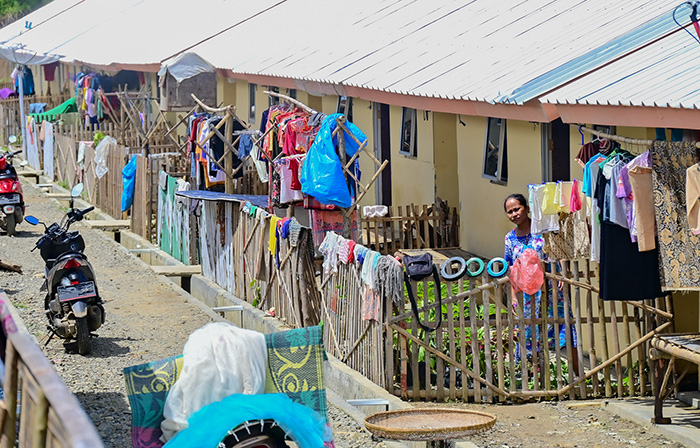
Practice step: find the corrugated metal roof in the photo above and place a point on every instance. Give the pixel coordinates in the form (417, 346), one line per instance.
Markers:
(664, 74)
(481, 50)
(495, 52)
(132, 32)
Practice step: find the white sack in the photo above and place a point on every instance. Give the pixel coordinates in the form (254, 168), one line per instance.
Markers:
(219, 360)
(101, 153)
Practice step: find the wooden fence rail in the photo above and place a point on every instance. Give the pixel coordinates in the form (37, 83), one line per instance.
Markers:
(411, 227)
(37, 409)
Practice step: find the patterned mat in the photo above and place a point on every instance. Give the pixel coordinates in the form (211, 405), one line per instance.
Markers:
(295, 368)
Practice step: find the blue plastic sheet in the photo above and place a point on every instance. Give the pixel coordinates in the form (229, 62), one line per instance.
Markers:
(209, 425)
(128, 180)
(322, 173)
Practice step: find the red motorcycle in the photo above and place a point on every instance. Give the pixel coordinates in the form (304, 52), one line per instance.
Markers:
(11, 195)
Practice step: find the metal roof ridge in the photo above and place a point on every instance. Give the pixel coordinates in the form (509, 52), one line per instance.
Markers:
(594, 59)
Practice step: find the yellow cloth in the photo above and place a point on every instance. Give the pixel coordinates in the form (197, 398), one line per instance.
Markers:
(273, 234)
(549, 202)
(564, 197)
(692, 198)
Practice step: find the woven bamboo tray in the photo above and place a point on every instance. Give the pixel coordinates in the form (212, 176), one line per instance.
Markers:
(429, 424)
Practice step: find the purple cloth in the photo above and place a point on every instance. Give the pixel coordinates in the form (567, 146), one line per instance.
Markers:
(6, 93)
(624, 189)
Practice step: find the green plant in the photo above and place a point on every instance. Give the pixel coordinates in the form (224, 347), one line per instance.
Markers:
(98, 138)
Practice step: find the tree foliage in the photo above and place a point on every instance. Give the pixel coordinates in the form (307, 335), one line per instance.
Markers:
(13, 9)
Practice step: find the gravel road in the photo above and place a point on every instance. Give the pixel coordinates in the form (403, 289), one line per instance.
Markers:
(146, 320)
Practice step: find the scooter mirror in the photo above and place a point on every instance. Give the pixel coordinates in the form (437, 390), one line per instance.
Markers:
(76, 191)
(31, 220)
(13, 139)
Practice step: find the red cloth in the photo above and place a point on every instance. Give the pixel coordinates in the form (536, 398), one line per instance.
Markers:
(587, 152)
(50, 71)
(294, 168)
(351, 249)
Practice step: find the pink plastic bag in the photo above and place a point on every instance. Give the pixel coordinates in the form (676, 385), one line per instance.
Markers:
(575, 202)
(527, 274)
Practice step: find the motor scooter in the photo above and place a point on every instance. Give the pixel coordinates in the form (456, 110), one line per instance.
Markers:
(11, 195)
(72, 304)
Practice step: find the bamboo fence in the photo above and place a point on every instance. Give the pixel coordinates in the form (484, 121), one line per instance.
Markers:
(419, 227)
(473, 355)
(235, 254)
(37, 409)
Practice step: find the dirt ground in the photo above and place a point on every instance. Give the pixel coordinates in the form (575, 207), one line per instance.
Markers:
(564, 424)
(148, 320)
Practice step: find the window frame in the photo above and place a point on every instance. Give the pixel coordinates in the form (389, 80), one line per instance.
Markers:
(413, 143)
(502, 162)
(345, 109)
(252, 89)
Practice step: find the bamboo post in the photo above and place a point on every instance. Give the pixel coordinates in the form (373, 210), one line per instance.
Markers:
(568, 333)
(616, 347)
(462, 337)
(452, 346)
(474, 345)
(499, 341)
(593, 360)
(606, 356)
(583, 393)
(429, 393)
(487, 334)
(228, 161)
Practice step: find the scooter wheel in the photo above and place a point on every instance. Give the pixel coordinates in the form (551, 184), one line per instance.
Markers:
(11, 224)
(82, 335)
(255, 433)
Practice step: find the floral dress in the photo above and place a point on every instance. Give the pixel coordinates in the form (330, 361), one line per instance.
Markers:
(514, 247)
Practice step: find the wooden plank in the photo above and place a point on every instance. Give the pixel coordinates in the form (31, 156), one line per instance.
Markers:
(430, 393)
(486, 302)
(108, 224)
(640, 355)
(439, 343)
(616, 348)
(511, 336)
(592, 356)
(414, 349)
(605, 353)
(476, 367)
(522, 335)
(583, 391)
(628, 341)
(462, 341)
(452, 345)
(500, 358)
(568, 333)
(177, 271)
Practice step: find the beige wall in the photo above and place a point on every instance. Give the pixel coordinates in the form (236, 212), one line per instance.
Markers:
(482, 219)
(445, 150)
(412, 178)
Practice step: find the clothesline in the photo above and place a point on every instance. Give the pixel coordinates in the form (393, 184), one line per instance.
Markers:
(619, 139)
(292, 100)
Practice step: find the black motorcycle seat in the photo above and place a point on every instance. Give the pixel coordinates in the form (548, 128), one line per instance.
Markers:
(70, 254)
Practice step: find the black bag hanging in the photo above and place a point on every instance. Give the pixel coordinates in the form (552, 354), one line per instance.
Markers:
(419, 267)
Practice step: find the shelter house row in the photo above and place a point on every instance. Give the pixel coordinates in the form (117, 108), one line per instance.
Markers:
(449, 128)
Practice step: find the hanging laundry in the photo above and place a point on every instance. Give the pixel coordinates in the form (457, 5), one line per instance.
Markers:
(50, 71)
(323, 221)
(625, 272)
(644, 221)
(692, 198)
(540, 222)
(678, 247)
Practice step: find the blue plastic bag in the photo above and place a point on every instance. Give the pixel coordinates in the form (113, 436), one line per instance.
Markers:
(322, 173)
(128, 180)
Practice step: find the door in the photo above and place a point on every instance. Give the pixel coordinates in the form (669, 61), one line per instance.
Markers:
(382, 151)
